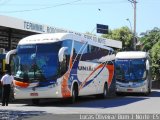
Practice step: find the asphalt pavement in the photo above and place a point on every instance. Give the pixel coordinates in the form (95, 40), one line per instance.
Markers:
(91, 106)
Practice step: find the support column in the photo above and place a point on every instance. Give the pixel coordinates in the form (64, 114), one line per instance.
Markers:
(10, 39)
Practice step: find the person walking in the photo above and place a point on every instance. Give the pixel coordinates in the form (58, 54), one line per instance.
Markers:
(6, 81)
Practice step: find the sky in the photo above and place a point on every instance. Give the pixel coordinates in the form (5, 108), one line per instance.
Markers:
(83, 15)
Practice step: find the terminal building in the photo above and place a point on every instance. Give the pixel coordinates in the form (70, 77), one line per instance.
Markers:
(13, 29)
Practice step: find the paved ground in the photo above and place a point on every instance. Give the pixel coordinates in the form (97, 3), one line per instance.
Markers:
(87, 105)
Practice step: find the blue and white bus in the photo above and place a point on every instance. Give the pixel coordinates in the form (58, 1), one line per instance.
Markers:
(133, 72)
(61, 65)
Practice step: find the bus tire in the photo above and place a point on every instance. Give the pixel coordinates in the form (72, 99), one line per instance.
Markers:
(35, 101)
(118, 93)
(150, 90)
(105, 93)
(147, 92)
(74, 93)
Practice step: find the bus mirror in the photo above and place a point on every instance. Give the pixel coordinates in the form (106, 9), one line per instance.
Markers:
(147, 65)
(8, 55)
(61, 53)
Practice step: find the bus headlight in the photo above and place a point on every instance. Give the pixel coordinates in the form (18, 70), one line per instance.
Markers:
(56, 92)
(57, 83)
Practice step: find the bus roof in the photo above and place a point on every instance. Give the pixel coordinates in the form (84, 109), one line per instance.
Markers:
(55, 37)
(131, 55)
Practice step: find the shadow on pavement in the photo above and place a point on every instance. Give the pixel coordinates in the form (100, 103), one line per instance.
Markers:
(92, 102)
(109, 103)
(118, 101)
(18, 115)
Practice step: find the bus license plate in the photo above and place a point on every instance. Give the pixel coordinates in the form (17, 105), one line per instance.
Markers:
(33, 94)
(129, 90)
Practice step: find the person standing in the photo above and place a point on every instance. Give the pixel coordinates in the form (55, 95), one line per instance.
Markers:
(6, 80)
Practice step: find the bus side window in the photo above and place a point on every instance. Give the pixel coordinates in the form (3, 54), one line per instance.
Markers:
(63, 65)
(78, 50)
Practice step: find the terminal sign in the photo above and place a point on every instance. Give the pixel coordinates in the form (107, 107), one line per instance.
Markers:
(39, 28)
(33, 26)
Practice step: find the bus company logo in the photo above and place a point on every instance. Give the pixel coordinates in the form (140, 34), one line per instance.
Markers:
(86, 68)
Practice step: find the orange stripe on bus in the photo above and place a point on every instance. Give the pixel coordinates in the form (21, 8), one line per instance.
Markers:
(111, 73)
(64, 87)
(21, 84)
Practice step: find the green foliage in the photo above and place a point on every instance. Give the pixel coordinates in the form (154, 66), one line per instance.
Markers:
(155, 55)
(122, 34)
(149, 39)
(151, 42)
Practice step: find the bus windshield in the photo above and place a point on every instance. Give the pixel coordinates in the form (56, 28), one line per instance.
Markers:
(37, 62)
(130, 70)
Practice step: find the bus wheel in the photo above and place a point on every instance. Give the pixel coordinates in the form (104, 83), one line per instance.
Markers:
(35, 101)
(150, 90)
(105, 93)
(147, 92)
(74, 93)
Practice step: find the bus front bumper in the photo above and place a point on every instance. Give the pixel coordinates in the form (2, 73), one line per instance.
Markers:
(132, 87)
(38, 92)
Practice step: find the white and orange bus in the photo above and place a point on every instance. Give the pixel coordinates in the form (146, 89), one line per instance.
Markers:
(61, 65)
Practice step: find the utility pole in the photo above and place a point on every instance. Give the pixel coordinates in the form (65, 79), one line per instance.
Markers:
(134, 2)
(134, 41)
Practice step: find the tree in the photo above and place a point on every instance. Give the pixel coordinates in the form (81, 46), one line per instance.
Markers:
(150, 41)
(122, 34)
(150, 38)
(155, 55)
